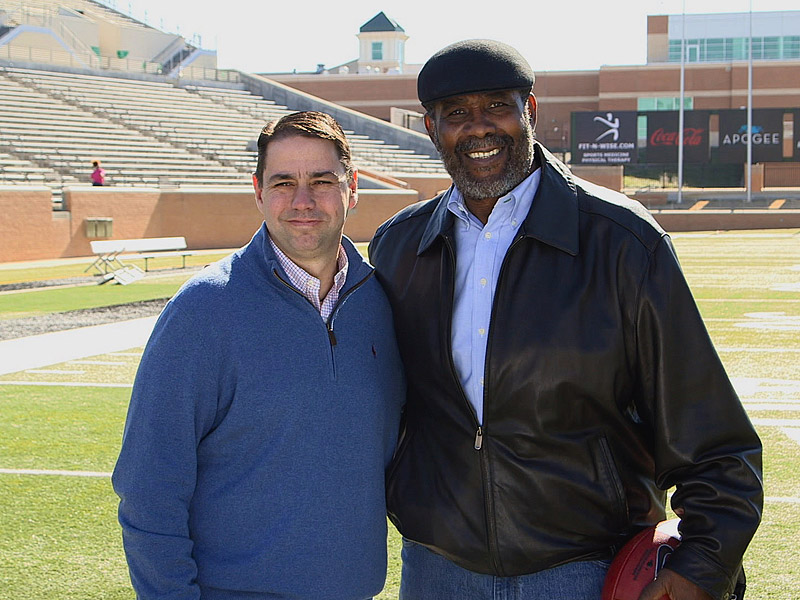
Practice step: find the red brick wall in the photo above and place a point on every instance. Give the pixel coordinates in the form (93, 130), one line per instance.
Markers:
(30, 230)
(28, 227)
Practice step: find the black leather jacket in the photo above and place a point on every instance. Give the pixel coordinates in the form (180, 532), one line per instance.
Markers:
(602, 390)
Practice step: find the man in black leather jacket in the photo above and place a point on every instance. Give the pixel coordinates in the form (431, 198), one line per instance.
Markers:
(560, 377)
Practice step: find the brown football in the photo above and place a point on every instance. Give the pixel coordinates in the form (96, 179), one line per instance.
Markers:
(640, 560)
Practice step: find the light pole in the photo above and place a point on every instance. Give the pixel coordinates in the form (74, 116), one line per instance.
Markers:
(750, 107)
(680, 108)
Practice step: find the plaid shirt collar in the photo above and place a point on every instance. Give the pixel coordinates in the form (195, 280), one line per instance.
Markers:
(308, 285)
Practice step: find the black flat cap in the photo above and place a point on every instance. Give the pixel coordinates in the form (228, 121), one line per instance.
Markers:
(473, 66)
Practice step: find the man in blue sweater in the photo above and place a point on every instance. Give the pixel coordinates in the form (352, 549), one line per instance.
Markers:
(267, 402)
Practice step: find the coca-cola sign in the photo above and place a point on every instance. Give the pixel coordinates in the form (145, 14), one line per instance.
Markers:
(663, 136)
(692, 136)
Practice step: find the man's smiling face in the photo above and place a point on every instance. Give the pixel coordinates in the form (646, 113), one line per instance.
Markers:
(485, 140)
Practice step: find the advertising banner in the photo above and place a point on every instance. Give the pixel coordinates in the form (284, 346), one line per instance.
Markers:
(767, 135)
(796, 140)
(663, 136)
(604, 138)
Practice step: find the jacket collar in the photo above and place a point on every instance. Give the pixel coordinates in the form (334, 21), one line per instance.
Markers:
(553, 218)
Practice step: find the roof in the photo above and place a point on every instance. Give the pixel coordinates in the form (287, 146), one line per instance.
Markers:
(381, 22)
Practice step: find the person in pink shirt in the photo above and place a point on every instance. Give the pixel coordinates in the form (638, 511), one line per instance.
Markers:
(99, 174)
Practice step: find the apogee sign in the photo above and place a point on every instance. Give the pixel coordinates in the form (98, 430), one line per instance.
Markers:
(766, 135)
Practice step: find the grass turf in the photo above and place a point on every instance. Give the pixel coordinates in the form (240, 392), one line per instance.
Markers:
(36, 271)
(60, 538)
(42, 301)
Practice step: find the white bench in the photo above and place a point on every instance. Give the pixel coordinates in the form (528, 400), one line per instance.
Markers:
(110, 252)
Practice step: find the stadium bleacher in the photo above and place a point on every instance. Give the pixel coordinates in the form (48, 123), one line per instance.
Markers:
(152, 120)
(146, 133)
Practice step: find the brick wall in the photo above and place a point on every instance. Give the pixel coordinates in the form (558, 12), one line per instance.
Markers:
(30, 229)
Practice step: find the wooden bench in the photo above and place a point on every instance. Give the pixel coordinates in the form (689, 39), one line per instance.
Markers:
(110, 252)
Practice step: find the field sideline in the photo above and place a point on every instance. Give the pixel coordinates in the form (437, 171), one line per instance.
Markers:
(61, 425)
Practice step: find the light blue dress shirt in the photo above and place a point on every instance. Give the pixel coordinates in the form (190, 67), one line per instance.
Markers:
(480, 250)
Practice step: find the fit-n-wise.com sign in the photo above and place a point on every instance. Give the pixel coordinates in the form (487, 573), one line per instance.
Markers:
(604, 138)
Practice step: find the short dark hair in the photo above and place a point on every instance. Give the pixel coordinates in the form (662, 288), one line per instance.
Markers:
(311, 124)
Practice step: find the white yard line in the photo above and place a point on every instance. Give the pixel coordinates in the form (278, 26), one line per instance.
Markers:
(68, 384)
(780, 500)
(776, 422)
(751, 349)
(54, 472)
(53, 372)
(792, 433)
(780, 407)
(109, 363)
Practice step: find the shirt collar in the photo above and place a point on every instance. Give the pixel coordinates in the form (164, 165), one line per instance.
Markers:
(299, 277)
(512, 207)
(552, 219)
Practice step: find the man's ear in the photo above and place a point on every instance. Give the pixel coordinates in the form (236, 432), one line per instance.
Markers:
(258, 191)
(533, 107)
(353, 186)
(430, 127)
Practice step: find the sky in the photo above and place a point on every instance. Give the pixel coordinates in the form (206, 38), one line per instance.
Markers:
(273, 37)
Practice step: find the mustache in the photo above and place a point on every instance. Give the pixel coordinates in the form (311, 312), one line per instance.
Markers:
(303, 214)
(472, 144)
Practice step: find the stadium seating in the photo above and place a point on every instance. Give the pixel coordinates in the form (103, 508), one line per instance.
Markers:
(54, 124)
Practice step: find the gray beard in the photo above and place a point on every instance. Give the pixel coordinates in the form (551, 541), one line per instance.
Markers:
(519, 165)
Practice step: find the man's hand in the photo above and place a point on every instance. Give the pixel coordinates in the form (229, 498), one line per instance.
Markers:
(671, 586)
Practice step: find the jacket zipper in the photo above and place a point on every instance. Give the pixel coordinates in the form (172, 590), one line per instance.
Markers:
(491, 533)
(479, 429)
(478, 439)
(490, 520)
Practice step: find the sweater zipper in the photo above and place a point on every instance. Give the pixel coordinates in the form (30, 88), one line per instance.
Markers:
(339, 302)
(329, 324)
(491, 534)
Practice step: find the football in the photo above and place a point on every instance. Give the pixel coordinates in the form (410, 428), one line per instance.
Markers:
(640, 560)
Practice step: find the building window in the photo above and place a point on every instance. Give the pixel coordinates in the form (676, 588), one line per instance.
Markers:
(728, 49)
(715, 50)
(674, 51)
(664, 103)
(641, 131)
(377, 50)
(791, 46)
(772, 48)
(740, 49)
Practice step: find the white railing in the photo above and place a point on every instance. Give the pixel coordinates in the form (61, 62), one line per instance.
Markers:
(125, 65)
(47, 17)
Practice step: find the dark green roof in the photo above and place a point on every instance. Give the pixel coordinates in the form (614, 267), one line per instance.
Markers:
(381, 22)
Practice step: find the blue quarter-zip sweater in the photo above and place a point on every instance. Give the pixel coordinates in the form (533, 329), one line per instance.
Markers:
(257, 437)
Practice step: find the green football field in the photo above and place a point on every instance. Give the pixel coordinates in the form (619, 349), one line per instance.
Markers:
(61, 425)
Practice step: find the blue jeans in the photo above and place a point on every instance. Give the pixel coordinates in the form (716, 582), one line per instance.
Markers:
(429, 576)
